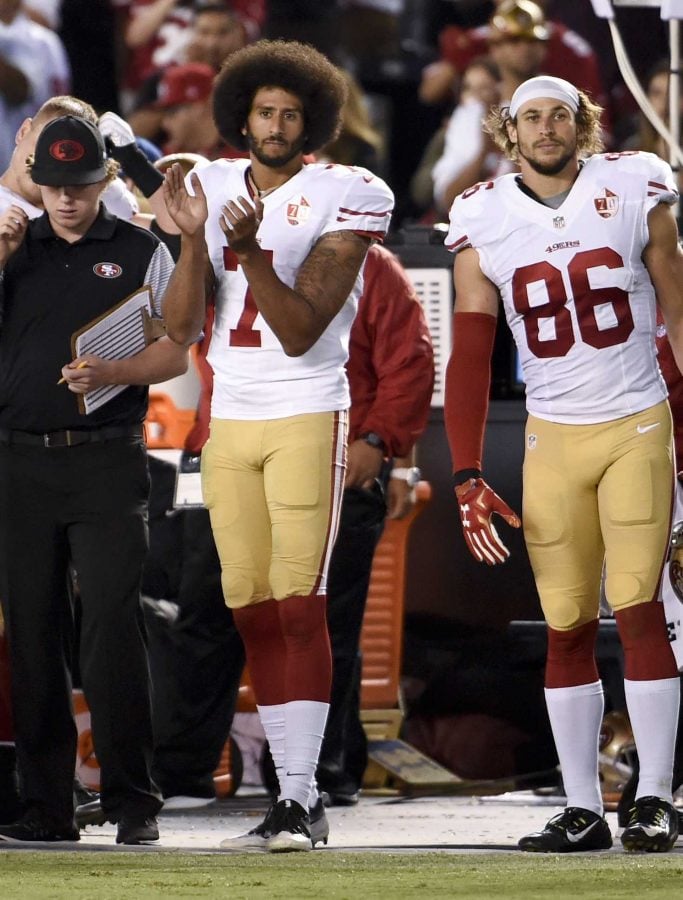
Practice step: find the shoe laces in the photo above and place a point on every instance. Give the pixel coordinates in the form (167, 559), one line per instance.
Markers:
(289, 816)
(649, 811)
(572, 819)
(264, 829)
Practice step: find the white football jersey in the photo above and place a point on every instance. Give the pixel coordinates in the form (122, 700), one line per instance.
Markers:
(253, 377)
(576, 293)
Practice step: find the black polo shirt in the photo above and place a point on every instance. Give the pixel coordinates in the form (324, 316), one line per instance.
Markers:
(51, 289)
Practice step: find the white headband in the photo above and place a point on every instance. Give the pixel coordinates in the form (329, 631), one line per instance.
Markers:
(544, 86)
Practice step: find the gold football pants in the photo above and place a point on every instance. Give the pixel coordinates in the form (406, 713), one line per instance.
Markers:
(594, 492)
(273, 489)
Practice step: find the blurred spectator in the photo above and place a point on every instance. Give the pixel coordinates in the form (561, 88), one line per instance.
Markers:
(154, 36)
(185, 98)
(359, 143)
(44, 12)
(657, 90)
(215, 33)
(33, 67)
(469, 154)
(560, 51)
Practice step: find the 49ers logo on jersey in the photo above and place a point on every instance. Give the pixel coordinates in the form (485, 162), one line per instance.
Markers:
(606, 204)
(298, 213)
(107, 270)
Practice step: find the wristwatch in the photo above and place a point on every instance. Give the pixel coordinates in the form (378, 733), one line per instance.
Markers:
(411, 476)
(370, 437)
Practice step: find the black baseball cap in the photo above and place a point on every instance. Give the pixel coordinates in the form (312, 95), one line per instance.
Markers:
(69, 150)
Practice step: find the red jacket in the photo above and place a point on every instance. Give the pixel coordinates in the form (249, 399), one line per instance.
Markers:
(391, 360)
(674, 382)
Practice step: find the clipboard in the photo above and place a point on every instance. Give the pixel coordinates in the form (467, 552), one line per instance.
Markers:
(121, 332)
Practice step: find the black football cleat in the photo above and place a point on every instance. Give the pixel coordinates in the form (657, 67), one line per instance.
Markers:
(257, 838)
(652, 826)
(136, 829)
(574, 830)
(36, 825)
(290, 827)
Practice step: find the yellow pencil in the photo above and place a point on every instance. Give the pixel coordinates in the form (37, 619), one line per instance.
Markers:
(81, 365)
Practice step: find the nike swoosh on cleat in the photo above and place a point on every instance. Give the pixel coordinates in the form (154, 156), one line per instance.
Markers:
(575, 838)
(643, 429)
(649, 830)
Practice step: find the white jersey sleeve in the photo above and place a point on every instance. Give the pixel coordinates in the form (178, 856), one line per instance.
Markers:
(576, 293)
(363, 202)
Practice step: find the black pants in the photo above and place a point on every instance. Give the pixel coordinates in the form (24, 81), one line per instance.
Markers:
(343, 756)
(197, 660)
(86, 507)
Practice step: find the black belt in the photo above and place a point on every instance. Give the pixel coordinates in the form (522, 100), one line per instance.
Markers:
(70, 438)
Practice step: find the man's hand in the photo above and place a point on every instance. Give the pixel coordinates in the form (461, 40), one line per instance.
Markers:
(400, 498)
(13, 224)
(189, 213)
(363, 464)
(240, 222)
(86, 373)
(478, 502)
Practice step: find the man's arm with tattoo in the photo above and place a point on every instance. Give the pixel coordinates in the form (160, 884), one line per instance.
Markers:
(299, 316)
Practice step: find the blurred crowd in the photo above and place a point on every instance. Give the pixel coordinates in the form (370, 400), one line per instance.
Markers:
(422, 74)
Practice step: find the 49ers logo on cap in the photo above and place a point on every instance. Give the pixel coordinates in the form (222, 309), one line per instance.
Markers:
(67, 151)
(107, 270)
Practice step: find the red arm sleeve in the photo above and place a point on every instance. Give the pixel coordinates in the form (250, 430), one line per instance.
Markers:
(468, 379)
(391, 360)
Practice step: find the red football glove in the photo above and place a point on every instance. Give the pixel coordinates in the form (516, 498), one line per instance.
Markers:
(478, 502)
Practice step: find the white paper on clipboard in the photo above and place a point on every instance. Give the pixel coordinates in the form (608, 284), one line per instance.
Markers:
(118, 334)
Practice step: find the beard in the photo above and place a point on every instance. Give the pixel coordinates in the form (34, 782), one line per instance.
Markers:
(553, 167)
(290, 151)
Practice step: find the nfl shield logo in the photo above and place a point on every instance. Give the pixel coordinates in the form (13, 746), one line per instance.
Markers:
(558, 222)
(297, 213)
(606, 204)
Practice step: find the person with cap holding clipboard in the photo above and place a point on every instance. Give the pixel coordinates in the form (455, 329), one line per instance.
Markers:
(74, 488)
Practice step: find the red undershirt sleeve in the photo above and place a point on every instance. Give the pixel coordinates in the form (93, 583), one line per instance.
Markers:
(468, 380)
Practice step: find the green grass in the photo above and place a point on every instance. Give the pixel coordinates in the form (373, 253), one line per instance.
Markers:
(326, 874)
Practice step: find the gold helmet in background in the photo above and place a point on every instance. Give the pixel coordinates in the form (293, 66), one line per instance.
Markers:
(518, 19)
(617, 754)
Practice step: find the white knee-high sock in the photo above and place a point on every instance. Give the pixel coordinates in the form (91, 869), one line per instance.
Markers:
(653, 711)
(304, 730)
(575, 717)
(273, 721)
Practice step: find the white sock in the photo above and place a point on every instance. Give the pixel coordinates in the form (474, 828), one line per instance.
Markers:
(304, 730)
(314, 794)
(575, 717)
(273, 721)
(653, 711)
